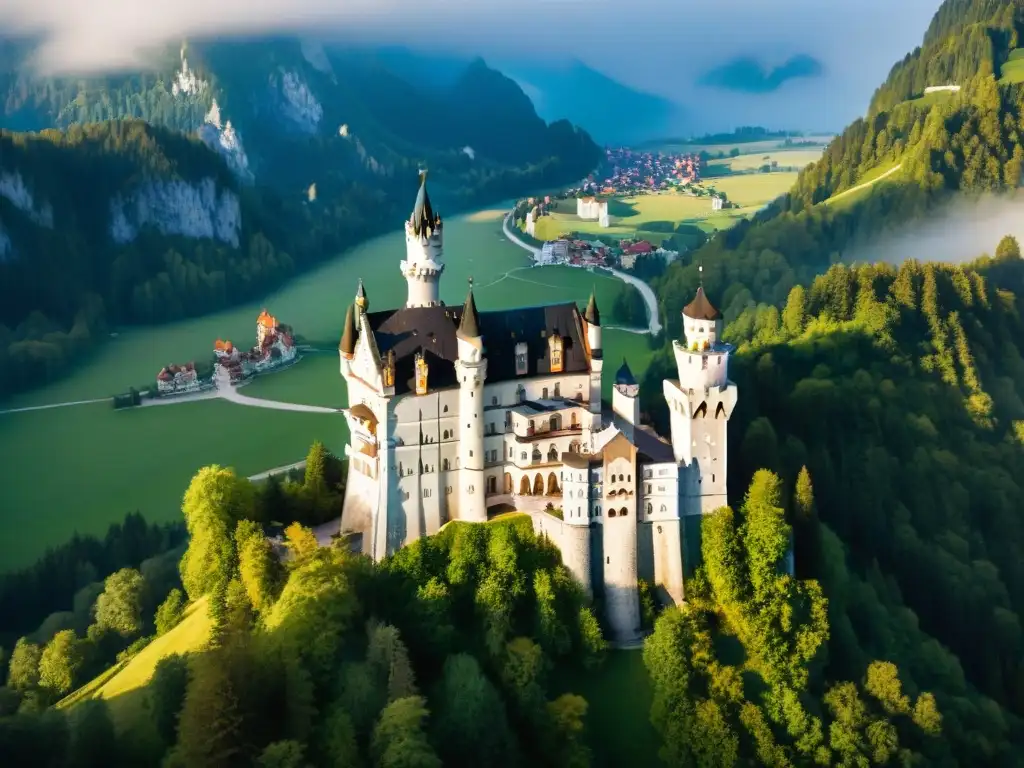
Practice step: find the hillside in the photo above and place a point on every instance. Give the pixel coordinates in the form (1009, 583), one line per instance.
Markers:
(295, 153)
(897, 388)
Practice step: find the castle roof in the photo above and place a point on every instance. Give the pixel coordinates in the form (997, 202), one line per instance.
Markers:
(348, 333)
(469, 325)
(423, 218)
(432, 332)
(592, 315)
(700, 308)
(624, 375)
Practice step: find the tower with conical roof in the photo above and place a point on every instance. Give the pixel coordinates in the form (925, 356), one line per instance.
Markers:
(471, 371)
(424, 248)
(701, 402)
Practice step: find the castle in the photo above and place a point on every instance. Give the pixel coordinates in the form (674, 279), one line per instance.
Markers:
(275, 346)
(454, 413)
(593, 209)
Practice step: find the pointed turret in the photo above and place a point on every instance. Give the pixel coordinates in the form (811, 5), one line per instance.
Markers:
(347, 346)
(700, 308)
(361, 301)
(625, 377)
(592, 315)
(469, 325)
(423, 220)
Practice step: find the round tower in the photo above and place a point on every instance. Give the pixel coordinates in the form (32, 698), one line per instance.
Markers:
(424, 248)
(471, 371)
(576, 547)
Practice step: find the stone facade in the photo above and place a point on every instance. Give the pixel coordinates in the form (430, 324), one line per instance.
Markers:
(455, 414)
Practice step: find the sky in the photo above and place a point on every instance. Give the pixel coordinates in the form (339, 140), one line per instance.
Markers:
(660, 46)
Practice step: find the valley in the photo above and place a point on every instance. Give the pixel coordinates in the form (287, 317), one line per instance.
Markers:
(181, 437)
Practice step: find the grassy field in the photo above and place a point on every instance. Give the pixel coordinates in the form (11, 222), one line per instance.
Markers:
(746, 148)
(83, 467)
(849, 196)
(786, 158)
(1013, 70)
(123, 686)
(618, 720)
(756, 189)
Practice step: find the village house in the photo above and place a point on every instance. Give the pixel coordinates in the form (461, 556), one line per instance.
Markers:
(275, 346)
(592, 209)
(177, 379)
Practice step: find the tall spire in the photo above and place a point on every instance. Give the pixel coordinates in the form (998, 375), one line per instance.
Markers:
(469, 325)
(424, 221)
(348, 333)
(592, 315)
(361, 301)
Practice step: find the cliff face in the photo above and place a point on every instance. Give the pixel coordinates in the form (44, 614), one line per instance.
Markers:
(198, 210)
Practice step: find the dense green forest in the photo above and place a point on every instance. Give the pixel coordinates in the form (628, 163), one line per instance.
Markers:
(326, 174)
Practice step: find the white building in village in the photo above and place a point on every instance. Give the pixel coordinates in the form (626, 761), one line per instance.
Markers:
(592, 209)
(454, 413)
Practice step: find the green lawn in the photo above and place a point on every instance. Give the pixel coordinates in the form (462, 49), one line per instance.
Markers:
(83, 467)
(1013, 69)
(618, 719)
(755, 189)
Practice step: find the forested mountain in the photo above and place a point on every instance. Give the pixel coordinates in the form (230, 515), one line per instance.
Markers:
(112, 216)
(888, 402)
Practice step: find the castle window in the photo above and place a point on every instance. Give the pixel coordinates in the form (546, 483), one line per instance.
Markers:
(448, 490)
(597, 511)
(494, 401)
(703, 363)
(445, 436)
(663, 509)
(648, 488)
(471, 454)
(405, 496)
(650, 509)
(401, 470)
(607, 561)
(611, 513)
(521, 362)
(555, 347)
(623, 512)
(445, 465)
(522, 456)
(446, 409)
(659, 529)
(712, 478)
(471, 490)
(558, 390)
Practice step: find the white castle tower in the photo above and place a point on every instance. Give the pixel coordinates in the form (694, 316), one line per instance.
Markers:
(424, 247)
(700, 405)
(619, 539)
(471, 371)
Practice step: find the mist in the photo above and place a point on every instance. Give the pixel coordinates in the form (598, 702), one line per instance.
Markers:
(659, 46)
(958, 232)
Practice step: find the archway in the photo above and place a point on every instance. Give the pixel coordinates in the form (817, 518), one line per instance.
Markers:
(553, 453)
(536, 455)
(538, 485)
(524, 486)
(702, 411)
(553, 489)
(508, 483)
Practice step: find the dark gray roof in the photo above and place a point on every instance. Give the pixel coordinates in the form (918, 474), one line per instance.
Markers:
(432, 331)
(469, 325)
(423, 218)
(624, 375)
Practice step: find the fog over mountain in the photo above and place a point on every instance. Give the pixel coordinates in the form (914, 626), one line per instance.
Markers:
(656, 46)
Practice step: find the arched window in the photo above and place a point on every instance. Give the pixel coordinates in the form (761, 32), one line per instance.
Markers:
(446, 409)
(650, 508)
(536, 454)
(558, 390)
(544, 394)
(623, 512)
(611, 513)
(445, 465)
(664, 508)
(552, 453)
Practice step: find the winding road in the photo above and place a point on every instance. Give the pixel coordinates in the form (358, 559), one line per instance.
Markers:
(650, 300)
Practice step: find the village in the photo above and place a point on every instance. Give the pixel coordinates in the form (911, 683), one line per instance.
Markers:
(275, 347)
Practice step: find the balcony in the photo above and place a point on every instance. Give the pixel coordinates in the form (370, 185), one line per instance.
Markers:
(533, 433)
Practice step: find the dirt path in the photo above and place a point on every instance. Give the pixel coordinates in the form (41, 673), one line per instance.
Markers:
(877, 179)
(55, 405)
(230, 393)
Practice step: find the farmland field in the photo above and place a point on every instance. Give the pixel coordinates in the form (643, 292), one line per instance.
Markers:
(786, 158)
(754, 189)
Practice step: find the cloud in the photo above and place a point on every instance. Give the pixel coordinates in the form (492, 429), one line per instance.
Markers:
(660, 46)
(959, 231)
(747, 75)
